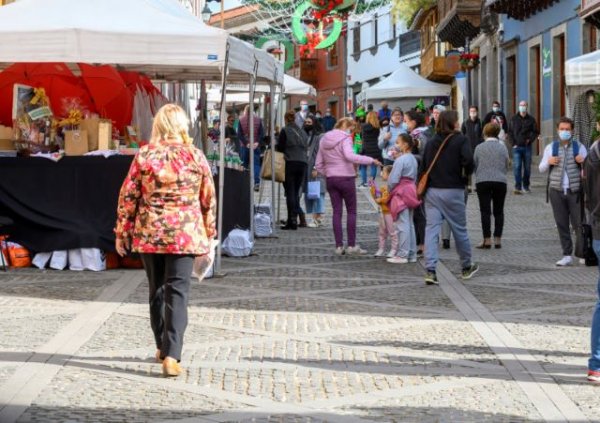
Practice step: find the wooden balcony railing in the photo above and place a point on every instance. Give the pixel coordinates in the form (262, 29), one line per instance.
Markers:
(433, 67)
(305, 70)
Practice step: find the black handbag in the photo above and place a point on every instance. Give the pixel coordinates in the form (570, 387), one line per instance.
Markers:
(584, 248)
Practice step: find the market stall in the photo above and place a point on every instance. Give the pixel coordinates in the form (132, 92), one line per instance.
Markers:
(404, 87)
(157, 38)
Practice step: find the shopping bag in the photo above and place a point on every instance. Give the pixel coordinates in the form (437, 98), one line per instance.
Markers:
(75, 260)
(93, 259)
(204, 265)
(262, 225)
(59, 260)
(266, 173)
(18, 255)
(314, 190)
(238, 243)
(76, 142)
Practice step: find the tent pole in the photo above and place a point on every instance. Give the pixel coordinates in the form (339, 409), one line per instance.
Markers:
(273, 145)
(222, 164)
(251, 142)
(279, 117)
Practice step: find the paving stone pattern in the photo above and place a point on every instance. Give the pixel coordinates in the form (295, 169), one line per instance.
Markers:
(297, 334)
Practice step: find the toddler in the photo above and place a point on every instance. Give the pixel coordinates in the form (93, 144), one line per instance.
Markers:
(387, 228)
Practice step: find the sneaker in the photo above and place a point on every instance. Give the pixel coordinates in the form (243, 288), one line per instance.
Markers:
(565, 261)
(446, 244)
(256, 187)
(420, 254)
(392, 253)
(468, 272)
(355, 251)
(518, 192)
(431, 278)
(593, 376)
(313, 224)
(363, 186)
(526, 191)
(339, 251)
(379, 253)
(397, 260)
(412, 260)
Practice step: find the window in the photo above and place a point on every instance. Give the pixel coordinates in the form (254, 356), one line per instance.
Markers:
(590, 38)
(356, 39)
(375, 28)
(511, 85)
(332, 56)
(410, 42)
(393, 33)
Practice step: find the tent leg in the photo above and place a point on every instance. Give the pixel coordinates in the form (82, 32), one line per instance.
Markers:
(273, 146)
(251, 141)
(222, 165)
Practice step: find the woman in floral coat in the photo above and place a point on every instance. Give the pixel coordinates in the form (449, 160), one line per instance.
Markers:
(166, 213)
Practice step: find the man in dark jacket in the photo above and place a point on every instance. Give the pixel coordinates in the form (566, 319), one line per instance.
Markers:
(592, 192)
(473, 130)
(328, 121)
(522, 133)
(498, 117)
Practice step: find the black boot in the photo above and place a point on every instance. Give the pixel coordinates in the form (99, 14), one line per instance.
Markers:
(291, 224)
(302, 218)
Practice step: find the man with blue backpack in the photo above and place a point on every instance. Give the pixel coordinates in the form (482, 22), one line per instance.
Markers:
(562, 160)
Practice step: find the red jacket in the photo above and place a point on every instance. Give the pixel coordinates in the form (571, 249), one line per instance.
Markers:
(404, 196)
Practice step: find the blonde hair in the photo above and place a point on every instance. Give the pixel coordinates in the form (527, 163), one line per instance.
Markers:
(171, 122)
(373, 119)
(345, 123)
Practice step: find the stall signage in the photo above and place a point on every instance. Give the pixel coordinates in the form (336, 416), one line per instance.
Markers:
(547, 63)
(213, 57)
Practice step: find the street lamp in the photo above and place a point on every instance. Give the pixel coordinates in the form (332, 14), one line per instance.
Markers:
(206, 13)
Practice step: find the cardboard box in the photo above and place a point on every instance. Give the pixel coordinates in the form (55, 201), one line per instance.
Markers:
(99, 133)
(7, 145)
(76, 142)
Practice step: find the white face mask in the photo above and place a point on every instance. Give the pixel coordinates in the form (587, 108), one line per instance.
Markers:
(473, 115)
(523, 109)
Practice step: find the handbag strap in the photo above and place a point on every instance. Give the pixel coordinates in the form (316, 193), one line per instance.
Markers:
(437, 155)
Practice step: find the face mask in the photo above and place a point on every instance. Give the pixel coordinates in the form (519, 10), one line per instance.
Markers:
(523, 109)
(308, 128)
(473, 115)
(327, 113)
(318, 115)
(404, 126)
(564, 135)
(349, 131)
(304, 107)
(495, 109)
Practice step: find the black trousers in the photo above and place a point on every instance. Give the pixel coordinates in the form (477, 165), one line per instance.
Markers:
(566, 209)
(491, 196)
(169, 282)
(294, 177)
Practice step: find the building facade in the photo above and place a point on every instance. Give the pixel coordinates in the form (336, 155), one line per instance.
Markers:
(378, 38)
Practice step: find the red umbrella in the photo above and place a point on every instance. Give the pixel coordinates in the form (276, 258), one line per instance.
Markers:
(14, 74)
(59, 89)
(109, 93)
(132, 80)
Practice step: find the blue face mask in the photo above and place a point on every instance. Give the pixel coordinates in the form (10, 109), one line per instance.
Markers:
(565, 135)
(404, 126)
(523, 109)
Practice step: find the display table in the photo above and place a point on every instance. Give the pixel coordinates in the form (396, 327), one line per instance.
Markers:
(72, 203)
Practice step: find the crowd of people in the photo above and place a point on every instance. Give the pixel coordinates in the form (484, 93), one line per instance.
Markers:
(166, 209)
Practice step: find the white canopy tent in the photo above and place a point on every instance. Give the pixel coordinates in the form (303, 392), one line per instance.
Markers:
(583, 70)
(159, 38)
(291, 86)
(404, 84)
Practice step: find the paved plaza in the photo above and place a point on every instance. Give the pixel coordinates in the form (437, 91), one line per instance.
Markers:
(297, 334)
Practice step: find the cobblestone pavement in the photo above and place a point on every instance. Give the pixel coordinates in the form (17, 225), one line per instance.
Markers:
(297, 334)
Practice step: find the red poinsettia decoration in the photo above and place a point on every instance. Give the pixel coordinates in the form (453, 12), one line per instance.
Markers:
(326, 7)
(469, 60)
(314, 38)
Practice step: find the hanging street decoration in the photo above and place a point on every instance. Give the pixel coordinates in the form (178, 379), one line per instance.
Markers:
(317, 24)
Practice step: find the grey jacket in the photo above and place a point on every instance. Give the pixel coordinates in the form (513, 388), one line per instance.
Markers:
(491, 161)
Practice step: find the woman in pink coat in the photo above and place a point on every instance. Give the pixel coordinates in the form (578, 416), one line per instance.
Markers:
(336, 161)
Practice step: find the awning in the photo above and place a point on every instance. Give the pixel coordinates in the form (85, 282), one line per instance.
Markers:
(583, 70)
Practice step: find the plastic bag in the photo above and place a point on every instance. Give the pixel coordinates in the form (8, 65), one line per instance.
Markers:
(59, 260)
(75, 260)
(18, 255)
(40, 260)
(238, 243)
(262, 225)
(314, 190)
(204, 265)
(93, 259)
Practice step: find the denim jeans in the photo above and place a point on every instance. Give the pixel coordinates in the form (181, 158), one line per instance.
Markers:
(522, 166)
(245, 157)
(449, 205)
(407, 240)
(363, 173)
(594, 361)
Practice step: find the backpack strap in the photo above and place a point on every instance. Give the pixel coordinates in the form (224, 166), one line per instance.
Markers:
(555, 148)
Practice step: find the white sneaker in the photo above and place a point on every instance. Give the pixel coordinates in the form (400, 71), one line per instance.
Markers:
(339, 251)
(392, 253)
(379, 253)
(412, 260)
(313, 224)
(355, 251)
(565, 261)
(397, 260)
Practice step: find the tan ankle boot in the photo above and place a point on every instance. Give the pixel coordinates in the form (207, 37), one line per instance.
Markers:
(171, 367)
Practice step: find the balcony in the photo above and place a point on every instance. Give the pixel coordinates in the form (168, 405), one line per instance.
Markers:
(459, 20)
(519, 10)
(433, 65)
(305, 70)
(590, 11)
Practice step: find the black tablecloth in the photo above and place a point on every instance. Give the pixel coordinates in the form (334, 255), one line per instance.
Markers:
(72, 203)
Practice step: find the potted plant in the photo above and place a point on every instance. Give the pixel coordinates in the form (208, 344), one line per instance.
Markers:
(468, 61)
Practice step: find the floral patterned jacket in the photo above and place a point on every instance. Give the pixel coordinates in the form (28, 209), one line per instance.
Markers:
(167, 202)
